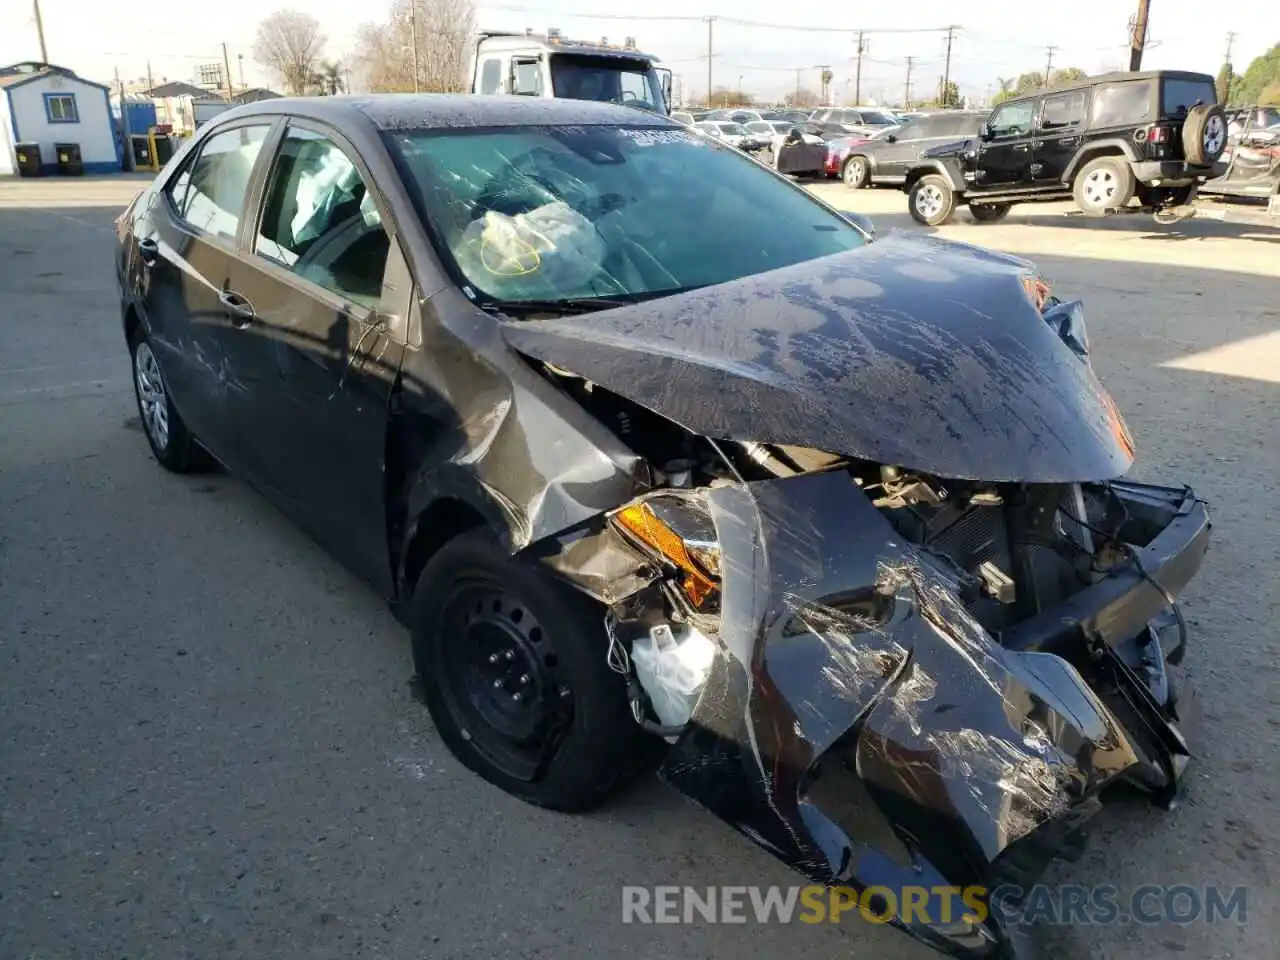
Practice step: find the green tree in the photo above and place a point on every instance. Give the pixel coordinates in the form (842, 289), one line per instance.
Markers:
(950, 95)
(722, 97)
(1270, 97)
(1067, 75)
(1261, 74)
(1032, 80)
(1223, 84)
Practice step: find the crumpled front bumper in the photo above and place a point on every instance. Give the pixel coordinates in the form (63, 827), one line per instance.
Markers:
(863, 726)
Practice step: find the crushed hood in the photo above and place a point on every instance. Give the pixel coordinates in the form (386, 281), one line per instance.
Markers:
(911, 351)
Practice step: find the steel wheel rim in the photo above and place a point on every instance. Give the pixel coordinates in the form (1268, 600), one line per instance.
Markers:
(152, 399)
(502, 678)
(1099, 187)
(929, 201)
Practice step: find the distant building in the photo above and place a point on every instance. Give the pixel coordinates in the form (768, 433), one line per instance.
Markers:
(47, 104)
(184, 106)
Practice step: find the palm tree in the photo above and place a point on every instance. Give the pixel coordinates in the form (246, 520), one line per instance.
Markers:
(328, 80)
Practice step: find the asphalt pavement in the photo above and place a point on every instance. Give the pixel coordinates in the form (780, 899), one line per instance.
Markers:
(210, 745)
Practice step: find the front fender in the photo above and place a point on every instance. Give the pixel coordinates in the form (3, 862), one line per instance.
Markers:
(948, 167)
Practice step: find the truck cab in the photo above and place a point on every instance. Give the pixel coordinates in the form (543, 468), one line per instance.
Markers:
(531, 65)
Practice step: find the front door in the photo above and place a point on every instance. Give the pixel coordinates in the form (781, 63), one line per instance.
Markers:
(1058, 133)
(1005, 157)
(186, 256)
(318, 350)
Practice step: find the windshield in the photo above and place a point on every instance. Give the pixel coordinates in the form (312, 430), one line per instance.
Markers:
(760, 126)
(608, 79)
(872, 119)
(564, 213)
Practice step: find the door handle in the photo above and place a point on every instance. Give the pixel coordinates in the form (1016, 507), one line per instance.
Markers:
(148, 251)
(238, 308)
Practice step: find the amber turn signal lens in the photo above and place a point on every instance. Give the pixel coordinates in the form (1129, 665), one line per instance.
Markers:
(642, 523)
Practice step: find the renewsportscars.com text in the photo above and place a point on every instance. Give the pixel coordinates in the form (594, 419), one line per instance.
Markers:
(1065, 904)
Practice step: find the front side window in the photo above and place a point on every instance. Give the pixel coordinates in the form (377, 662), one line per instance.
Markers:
(870, 118)
(557, 213)
(61, 108)
(526, 78)
(209, 193)
(1063, 110)
(1011, 121)
(1121, 104)
(319, 220)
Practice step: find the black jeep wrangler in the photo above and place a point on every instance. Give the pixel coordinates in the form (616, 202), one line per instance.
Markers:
(1155, 135)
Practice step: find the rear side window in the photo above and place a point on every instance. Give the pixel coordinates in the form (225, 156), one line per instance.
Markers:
(1179, 96)
(1118, 104)
(491, 76)
(209, 194)
(320, 222)
(1063, 110)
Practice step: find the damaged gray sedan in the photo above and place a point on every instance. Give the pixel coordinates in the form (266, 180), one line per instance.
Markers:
(658, 456)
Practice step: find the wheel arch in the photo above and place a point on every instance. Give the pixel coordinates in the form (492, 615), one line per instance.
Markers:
(1114, 147)
(950, 172)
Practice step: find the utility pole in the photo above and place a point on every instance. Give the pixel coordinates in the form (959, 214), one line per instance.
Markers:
(857, 82)
(44, 54)
(710, 22)
(1139, 38)
(226, 65)
(906, 100)
(413, 32)
(151, 84)
(1048, 67)
(130, 161)
(822, 83)
(797, 103)
(945, 98)
(1226, 94)
(240, 58)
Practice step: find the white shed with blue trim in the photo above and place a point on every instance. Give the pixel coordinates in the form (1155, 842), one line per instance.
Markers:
(46, 104)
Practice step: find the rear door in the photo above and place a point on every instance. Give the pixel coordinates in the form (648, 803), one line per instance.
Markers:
(1059, 130)
(893, 159)
(1005, 157)
(187, 243)
(325, 292)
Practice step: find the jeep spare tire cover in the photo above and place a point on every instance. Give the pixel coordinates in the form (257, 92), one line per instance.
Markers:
(1204, 134)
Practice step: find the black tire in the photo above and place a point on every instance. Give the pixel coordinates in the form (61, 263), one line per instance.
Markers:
(1103, 184)
(473, 604)
(989, 212)
(931, 200)
(1204, 134)
(855, 174)
(173, 445)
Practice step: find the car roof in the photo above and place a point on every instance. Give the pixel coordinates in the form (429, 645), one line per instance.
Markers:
(443, 111)
(1117, 77)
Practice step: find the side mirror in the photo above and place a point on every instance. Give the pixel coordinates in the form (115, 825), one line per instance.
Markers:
(892, 138)
(861, 221)
(984, 134)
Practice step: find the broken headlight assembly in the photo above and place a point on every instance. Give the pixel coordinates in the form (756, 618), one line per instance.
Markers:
(680, 532)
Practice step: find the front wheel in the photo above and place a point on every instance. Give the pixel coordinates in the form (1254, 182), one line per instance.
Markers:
(514, 671)
(989, 212)
(854, 173)
(931, 200)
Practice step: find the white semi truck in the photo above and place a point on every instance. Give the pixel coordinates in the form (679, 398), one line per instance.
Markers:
(533, 65)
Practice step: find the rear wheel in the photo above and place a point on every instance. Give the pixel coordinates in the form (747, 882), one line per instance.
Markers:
(1102, 185)
(854, 173)
(514, 672)
(171, 443)
(931, 200)
(989, 212)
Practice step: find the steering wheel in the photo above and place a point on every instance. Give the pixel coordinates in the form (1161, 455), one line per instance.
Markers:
(628, 96)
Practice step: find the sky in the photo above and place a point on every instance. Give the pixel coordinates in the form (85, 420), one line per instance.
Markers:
(995, 38)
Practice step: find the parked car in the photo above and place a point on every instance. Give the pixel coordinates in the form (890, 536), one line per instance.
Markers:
(762, 133)
(734, 134)
(681, 116)
(663, 461)
(886, 157)
(735, 115)
(790, 116)
(1251, 162)
(859, 120)
(1155, 135)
